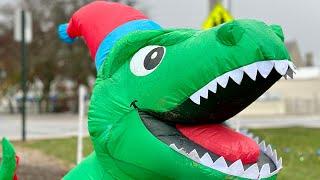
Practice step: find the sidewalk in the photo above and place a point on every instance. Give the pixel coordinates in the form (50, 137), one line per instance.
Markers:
(41, 126)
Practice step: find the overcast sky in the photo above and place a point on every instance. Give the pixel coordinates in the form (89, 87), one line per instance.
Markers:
(300, 19)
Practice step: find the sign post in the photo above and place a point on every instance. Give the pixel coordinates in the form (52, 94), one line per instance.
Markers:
(23, 34)
(82, 95)
(212, 3)
(217, 16)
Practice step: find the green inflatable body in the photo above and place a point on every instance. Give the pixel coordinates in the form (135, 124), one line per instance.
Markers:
(162, 95)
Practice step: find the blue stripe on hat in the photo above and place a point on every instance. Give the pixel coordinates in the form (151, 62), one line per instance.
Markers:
(108, 42)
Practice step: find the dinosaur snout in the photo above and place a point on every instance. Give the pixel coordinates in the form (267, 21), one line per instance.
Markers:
(230, 34)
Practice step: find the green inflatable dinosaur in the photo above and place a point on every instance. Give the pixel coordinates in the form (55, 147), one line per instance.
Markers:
(8, 163)
(162, 96)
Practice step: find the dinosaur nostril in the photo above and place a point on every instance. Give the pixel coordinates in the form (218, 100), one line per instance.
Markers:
(278, 30)
(230, 34)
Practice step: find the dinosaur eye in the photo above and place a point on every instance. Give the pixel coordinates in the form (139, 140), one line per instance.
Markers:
(146, 60)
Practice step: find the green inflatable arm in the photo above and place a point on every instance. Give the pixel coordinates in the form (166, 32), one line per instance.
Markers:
(8, 163)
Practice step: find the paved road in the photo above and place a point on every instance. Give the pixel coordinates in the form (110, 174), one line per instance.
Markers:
(40, 126)
(64, 125)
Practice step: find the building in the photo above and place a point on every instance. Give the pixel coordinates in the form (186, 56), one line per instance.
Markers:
(295, 53)
(300, 96)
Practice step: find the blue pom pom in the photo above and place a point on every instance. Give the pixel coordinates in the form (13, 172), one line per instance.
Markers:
(63, 35)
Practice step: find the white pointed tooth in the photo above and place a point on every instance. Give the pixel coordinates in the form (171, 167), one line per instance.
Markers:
(195, 98)
(236, 75)
(275, 172)
(250, 135)
(252, 172)
(275, 156)
(173, 146)
(244, 131)
(182, 151)
(262, 146)
(292, 66)
(194, 155)
(265, 67)
(236, 168)
(290, 73)
(279, 163)
(212, 86)
(265, 171)
(251, 70)
(256, 139)
(220, 165)
(281, 66)
(223, 80)
(206, 160)
(269, 151)
(203, 92)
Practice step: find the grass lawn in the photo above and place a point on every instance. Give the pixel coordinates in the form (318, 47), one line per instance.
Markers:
(297, 146)
(63, 149)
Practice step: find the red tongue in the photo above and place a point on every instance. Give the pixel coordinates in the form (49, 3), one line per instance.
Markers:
(222, 141)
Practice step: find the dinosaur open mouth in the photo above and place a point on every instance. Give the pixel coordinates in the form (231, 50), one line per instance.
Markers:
(197, 130)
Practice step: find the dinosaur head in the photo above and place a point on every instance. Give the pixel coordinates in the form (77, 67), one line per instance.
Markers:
(162, 96)
(183, 85)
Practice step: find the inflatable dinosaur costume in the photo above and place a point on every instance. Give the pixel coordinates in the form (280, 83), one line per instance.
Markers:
(162, 96)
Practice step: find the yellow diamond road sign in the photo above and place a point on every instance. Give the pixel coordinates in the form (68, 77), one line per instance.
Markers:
(218, 15)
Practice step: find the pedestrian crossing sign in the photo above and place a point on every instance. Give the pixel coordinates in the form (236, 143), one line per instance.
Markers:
(217, 16)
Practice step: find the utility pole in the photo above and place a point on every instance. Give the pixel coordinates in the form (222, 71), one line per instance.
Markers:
(23, 75)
